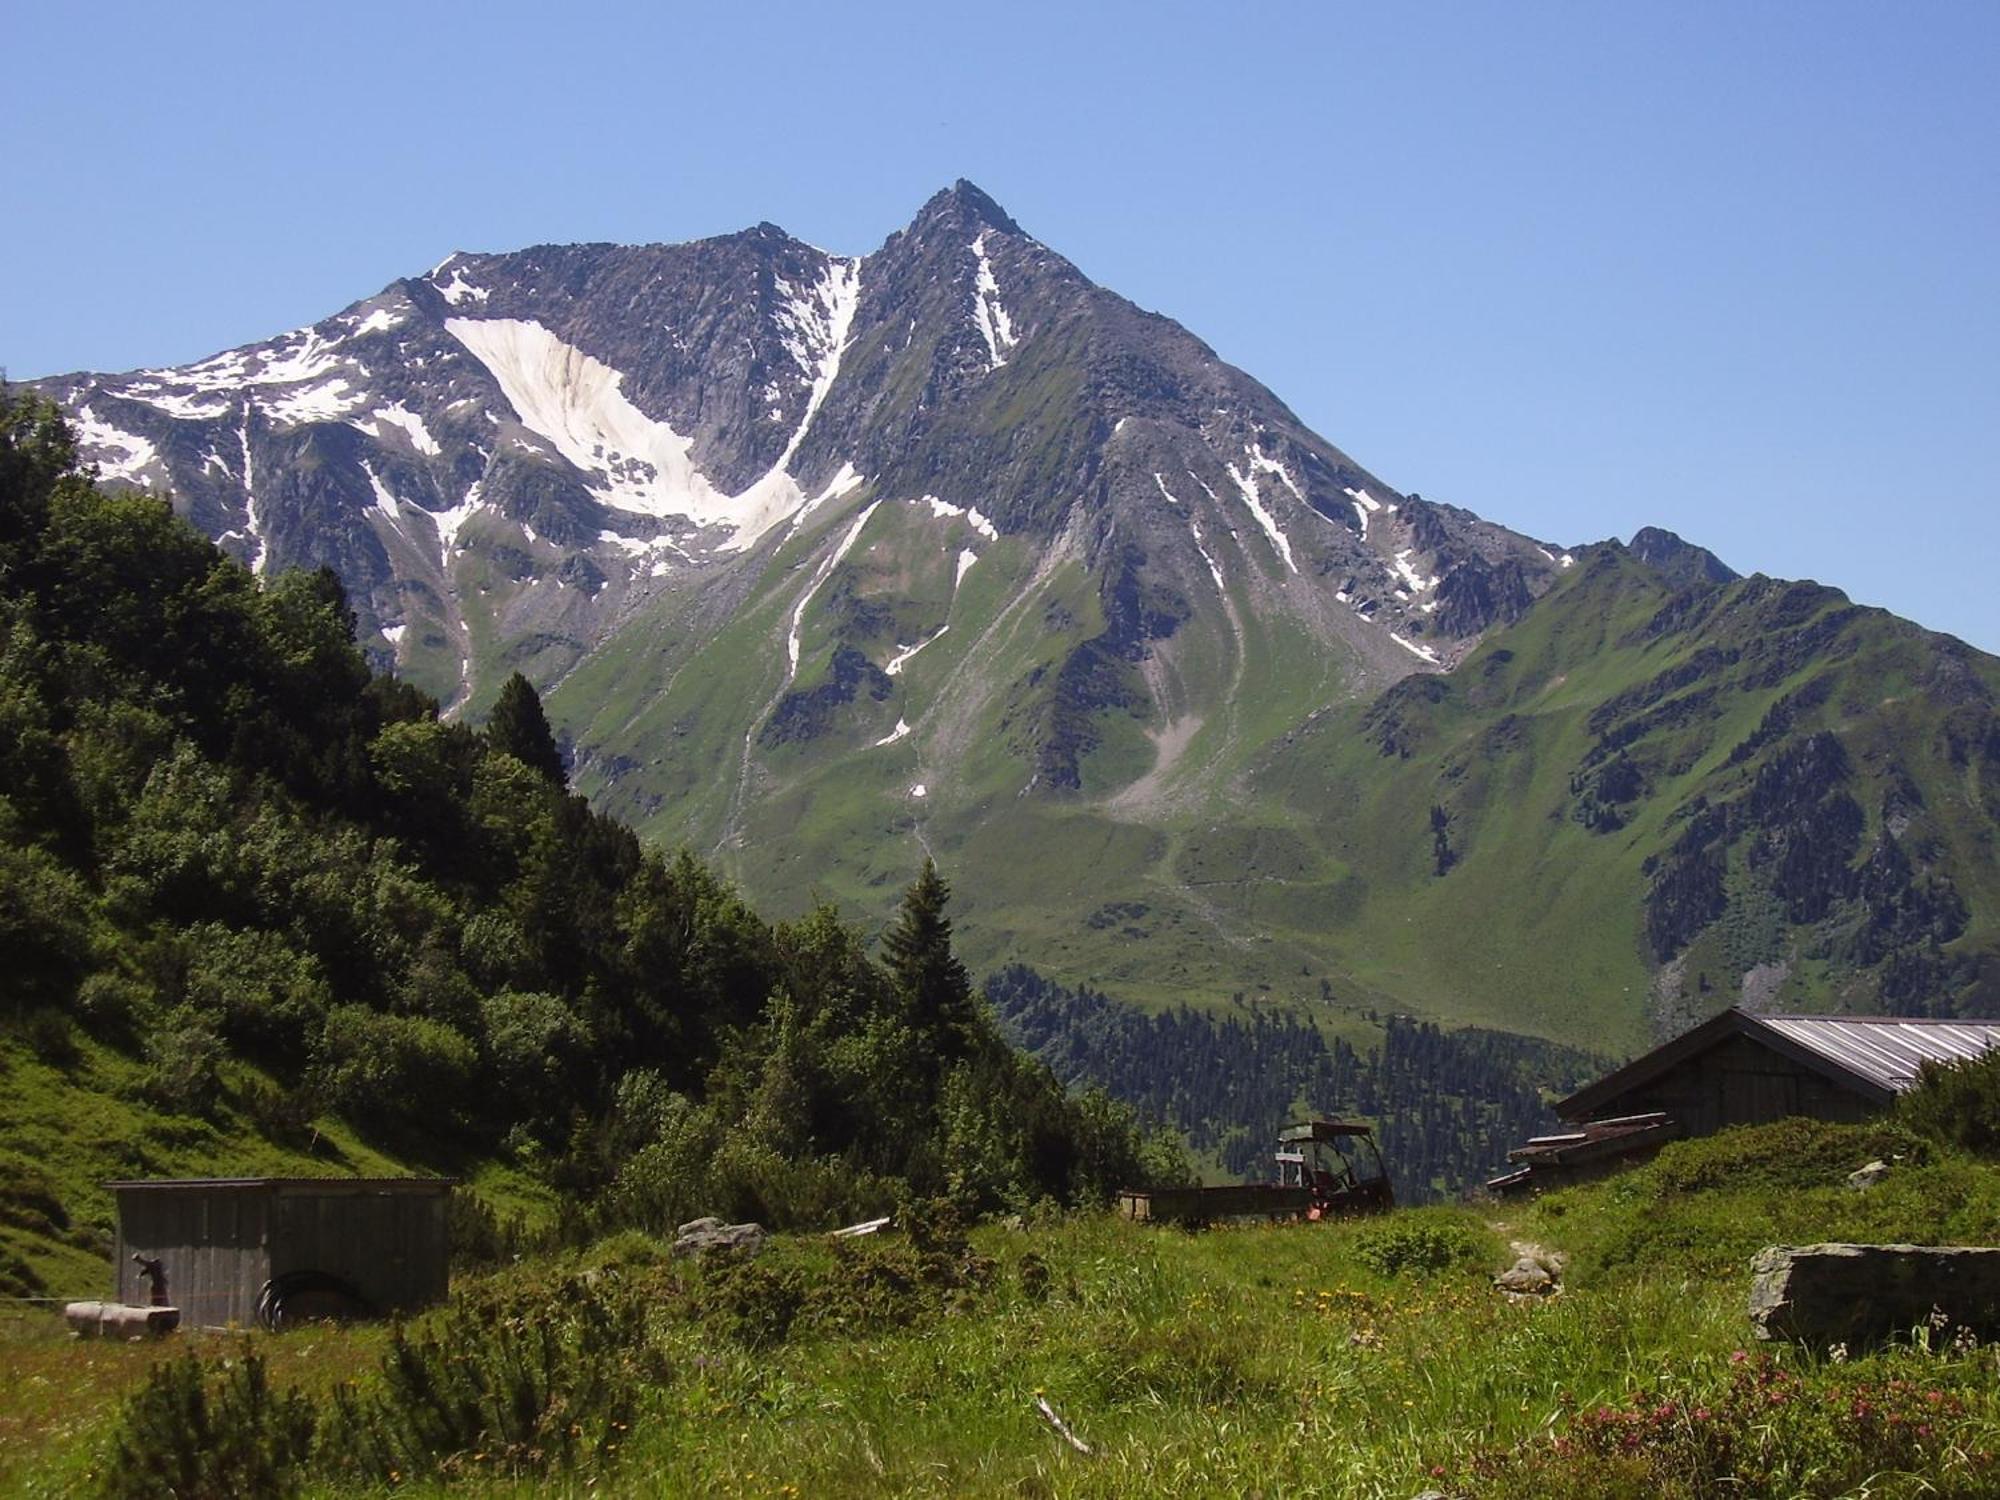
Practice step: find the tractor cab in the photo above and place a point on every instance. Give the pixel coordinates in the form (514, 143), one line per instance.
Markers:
(1338, 1164)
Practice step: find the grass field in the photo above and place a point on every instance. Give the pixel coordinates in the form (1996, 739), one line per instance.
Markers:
(1368, 1358)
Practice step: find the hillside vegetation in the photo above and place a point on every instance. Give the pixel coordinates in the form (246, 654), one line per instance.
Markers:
(262, 910)
(1362, 1358)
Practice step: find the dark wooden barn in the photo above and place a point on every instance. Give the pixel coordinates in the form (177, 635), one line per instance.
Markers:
(273, 1250)
(1741, 1069)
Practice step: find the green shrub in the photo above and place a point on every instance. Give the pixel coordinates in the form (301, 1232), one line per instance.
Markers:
(1421, 1242)
(183, 1063)
(391, 1071)
(1956, 1103)
(510, 1380)
(1795, 1153)
(1910, 1426)
(181, 1436)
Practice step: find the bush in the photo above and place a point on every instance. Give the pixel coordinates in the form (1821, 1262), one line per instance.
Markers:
(1956, 1103)
(1421, 1242)
(183, 1063)
(391, 1071)
(181, 1437)
(1909, 1427)
(1795, 1153)
(517, 1380)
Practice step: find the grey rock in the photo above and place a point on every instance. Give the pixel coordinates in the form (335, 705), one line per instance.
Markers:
(1863, 1178)
(709, 1236)
(1527, 1277)
(1858, 1295)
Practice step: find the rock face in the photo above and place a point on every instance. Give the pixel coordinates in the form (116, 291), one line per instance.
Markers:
(1859, 1295)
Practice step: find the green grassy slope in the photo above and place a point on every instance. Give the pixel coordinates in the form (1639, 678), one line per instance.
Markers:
(1569, 755)
(1259, 830)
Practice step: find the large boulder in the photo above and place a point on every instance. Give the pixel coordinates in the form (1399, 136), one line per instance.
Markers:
(1859, 1295)
(710, 1236)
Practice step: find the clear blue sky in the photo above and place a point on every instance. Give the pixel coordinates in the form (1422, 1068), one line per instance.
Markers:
(1729, 268)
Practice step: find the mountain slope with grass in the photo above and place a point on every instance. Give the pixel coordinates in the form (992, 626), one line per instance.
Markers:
(263, 911)
(1660, 794)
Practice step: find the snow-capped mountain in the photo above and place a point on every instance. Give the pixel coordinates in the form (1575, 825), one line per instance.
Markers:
(825, 562)
(523, 447)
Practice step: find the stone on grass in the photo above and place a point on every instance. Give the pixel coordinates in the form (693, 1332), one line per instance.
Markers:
(1859, 1295)
(710, 1236)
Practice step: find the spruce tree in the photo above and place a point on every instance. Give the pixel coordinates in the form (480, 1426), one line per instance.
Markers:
(519, 728)
(934, 984)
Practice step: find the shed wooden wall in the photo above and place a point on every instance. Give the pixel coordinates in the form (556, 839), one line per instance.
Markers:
(1739, 1082)
(222, 1242)
(391, 1246)
(214, 1241)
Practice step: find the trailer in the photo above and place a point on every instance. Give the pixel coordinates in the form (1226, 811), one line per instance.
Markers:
(1325, 1169)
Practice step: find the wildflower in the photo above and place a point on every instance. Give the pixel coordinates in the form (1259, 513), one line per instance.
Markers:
(1739, 1357)
(1838, 1354)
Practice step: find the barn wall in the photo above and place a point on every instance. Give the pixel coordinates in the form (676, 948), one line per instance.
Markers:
(1739, 1082)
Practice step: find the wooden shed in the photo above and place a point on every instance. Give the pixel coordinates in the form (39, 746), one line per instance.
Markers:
(1741, 1069)
(270, 1250)
(1744, 1069)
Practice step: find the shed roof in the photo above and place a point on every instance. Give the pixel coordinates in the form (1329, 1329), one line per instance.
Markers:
(1874, 1055)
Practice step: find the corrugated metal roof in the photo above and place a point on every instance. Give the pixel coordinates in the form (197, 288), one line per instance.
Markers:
(1886, 1050)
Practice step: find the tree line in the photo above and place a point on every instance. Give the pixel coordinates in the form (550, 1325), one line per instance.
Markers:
(1447, 1105)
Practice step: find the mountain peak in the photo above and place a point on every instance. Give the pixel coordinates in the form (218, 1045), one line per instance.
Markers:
(1680, 560)
(967, 206)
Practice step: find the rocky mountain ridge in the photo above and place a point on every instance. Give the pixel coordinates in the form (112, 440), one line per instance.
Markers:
(599, 424)
(824, 563)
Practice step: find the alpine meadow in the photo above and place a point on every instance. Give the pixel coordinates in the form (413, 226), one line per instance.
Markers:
(819, 791)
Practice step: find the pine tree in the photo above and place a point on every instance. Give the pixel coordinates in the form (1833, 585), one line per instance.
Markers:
(934, 984)
(519, 728)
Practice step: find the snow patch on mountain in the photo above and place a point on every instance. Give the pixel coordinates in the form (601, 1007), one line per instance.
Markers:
(328, 401)
(817, 335)
(381, 320)
(638, 465)
(979, 523)
(1246, 481)
(833, 561)
(458, 291)
(1202, 547)
(904, 653)
(99, 439)
(385, 502)
(966, 558)
(1365, 505)
(449, 522)
(378, 423)
(902, 728)
(844, 482)
(185, 406)
(1169, 494)
(1404, 569)
(995, 326)
(1412, 647)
